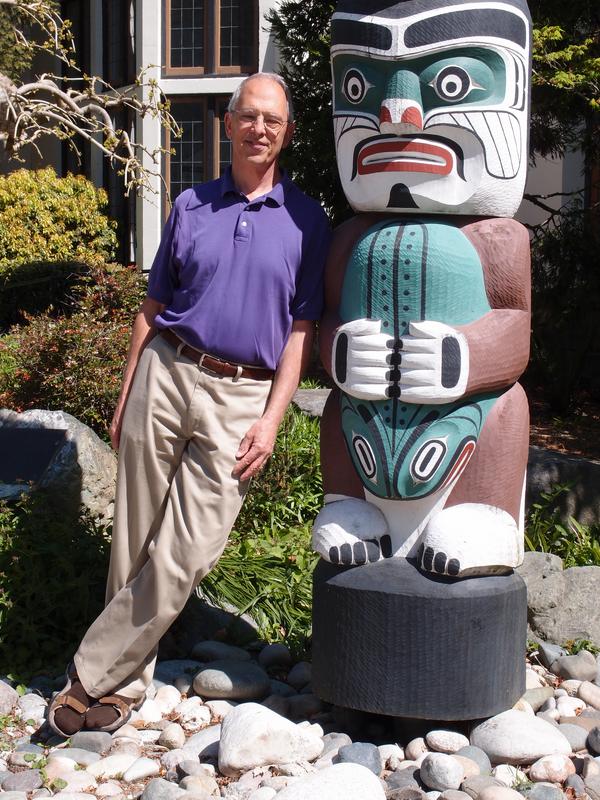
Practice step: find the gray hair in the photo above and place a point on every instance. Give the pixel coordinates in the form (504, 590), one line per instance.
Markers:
(272, 76)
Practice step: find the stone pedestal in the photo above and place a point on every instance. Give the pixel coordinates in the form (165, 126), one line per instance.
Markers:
(391, 640)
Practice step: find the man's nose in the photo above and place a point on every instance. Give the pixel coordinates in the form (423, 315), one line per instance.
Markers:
(402, 107)
(259, 125)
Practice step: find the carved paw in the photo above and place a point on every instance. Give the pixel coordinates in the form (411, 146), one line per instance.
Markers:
(351, 532)
(471, 539)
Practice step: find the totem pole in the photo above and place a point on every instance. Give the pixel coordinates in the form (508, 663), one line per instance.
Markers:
(424, 445)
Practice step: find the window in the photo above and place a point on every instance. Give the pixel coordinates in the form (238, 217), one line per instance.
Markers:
(121, 208)
(203, 152)
(77, 11)
(211, 36)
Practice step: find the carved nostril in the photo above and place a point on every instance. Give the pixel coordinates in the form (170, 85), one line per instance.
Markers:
(412, 116)
(385, 114)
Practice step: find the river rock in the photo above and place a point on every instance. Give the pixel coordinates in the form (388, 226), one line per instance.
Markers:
(220, 708)
(569, 706)
(575, 782)
(440, 771)
(477, 755)
(593, 740)
(543, 791)
(8, 698)
(571, 687)
(253, 735)
(581, 667)
(77, 754)
(167, 698)
(391, 755)
(219, 651)
(537, 697)
(97, 741)
(192, 714)
(415, 748)
(275, 655)
(232, 680)
(442, 741)
(160, 789)
(200, 784)
(469, 767)
(516, 738)
(553, 769)
(500, 793)
(363, 753)
(172, 736)
(509, 775)
(26, 781)
(475, 785)
(576, 735)
(112, 766)
(404, 778)
(590, 694)
(141, 769)
(204, 744)
(299, 675)
(339, 782)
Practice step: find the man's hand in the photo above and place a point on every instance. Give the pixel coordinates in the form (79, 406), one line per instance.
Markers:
(255, 448)
(115, 427)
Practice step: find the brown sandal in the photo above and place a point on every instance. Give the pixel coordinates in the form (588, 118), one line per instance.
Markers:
(98, 716)
(71, 706)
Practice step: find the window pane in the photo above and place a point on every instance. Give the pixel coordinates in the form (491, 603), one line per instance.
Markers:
(236, 32)
(118, 53)
(187, 33)
(187, 164)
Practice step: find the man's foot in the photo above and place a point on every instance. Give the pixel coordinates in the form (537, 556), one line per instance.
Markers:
(351, 532)
(67, 711)
(471, 539)
(110, 712)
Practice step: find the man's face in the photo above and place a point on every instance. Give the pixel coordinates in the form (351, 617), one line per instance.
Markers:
(431, 107)
(262, 105)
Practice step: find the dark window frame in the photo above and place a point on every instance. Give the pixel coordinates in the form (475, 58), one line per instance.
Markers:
(212, 44)
(125, 12)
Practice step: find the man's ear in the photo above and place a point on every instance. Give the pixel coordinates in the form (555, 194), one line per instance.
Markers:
(227, 121)
(291, 127)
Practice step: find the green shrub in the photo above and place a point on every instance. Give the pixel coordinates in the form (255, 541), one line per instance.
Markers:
(50, 228)
(575, 543)
(53, 566)
(74, 363)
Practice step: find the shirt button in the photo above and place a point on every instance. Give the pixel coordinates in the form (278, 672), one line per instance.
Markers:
(244, 224)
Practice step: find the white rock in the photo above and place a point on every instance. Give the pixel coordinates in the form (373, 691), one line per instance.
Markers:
(391, 755)
(509, 775)
(253, 735)
(532, 679)
(590, 694)
(415, 747)
(339, 782)
(174, 757)
(173, 736)
(77, 781)
(441, 741)
(109, 789)
(553, 768)
(571, 686)
(263, 793)
(150, 712)
(111, 766)
(125, 746)
(433, 795)
(524, 707)
(73, 796)
(166, 698)
(311, 726)
(441, 771)
(499, 793)
(569, 706)
(140, 769)
(470, 767)
(516, 738)
(204, 744)
(57, 766)
(193, 714)
(220, 708)
(150, 736)
(127, 731)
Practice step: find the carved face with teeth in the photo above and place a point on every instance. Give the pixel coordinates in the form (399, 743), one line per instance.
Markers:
(431, 104)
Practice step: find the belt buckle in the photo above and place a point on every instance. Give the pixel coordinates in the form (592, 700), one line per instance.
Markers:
(202, 357)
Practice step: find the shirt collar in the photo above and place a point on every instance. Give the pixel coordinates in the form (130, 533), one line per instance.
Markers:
(275, 197)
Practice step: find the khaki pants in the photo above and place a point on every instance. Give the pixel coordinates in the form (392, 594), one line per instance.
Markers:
(175, 504)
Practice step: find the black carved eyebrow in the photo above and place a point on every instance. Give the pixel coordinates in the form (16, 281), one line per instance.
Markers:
(365, 34)
(463, 24)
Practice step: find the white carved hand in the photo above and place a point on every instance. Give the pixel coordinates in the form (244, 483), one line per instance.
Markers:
(360, 359)
(434, 367)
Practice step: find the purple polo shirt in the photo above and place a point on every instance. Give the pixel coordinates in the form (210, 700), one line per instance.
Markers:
(234, 273)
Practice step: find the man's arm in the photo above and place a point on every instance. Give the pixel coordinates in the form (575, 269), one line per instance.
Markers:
(257, 445)
(142, 333)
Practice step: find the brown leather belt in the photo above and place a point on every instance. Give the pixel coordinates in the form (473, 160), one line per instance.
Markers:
(213, 364)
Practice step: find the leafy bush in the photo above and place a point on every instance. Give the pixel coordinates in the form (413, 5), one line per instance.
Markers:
(50, 228)
(74, 363)
(53, 566)
(575, 543)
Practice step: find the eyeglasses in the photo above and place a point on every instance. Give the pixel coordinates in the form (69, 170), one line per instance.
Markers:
(249, 117)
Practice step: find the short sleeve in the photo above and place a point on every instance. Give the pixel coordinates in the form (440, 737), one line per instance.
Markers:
(308, 299)
(163, 273)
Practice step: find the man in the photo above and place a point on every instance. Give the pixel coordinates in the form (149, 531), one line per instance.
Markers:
(216, 354)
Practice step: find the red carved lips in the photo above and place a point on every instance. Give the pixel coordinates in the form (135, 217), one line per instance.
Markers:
(410, 155)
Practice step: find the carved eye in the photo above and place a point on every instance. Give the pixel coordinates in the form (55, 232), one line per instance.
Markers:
(452, 83)
(355, 85)
(365, 456)
(426, 462)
